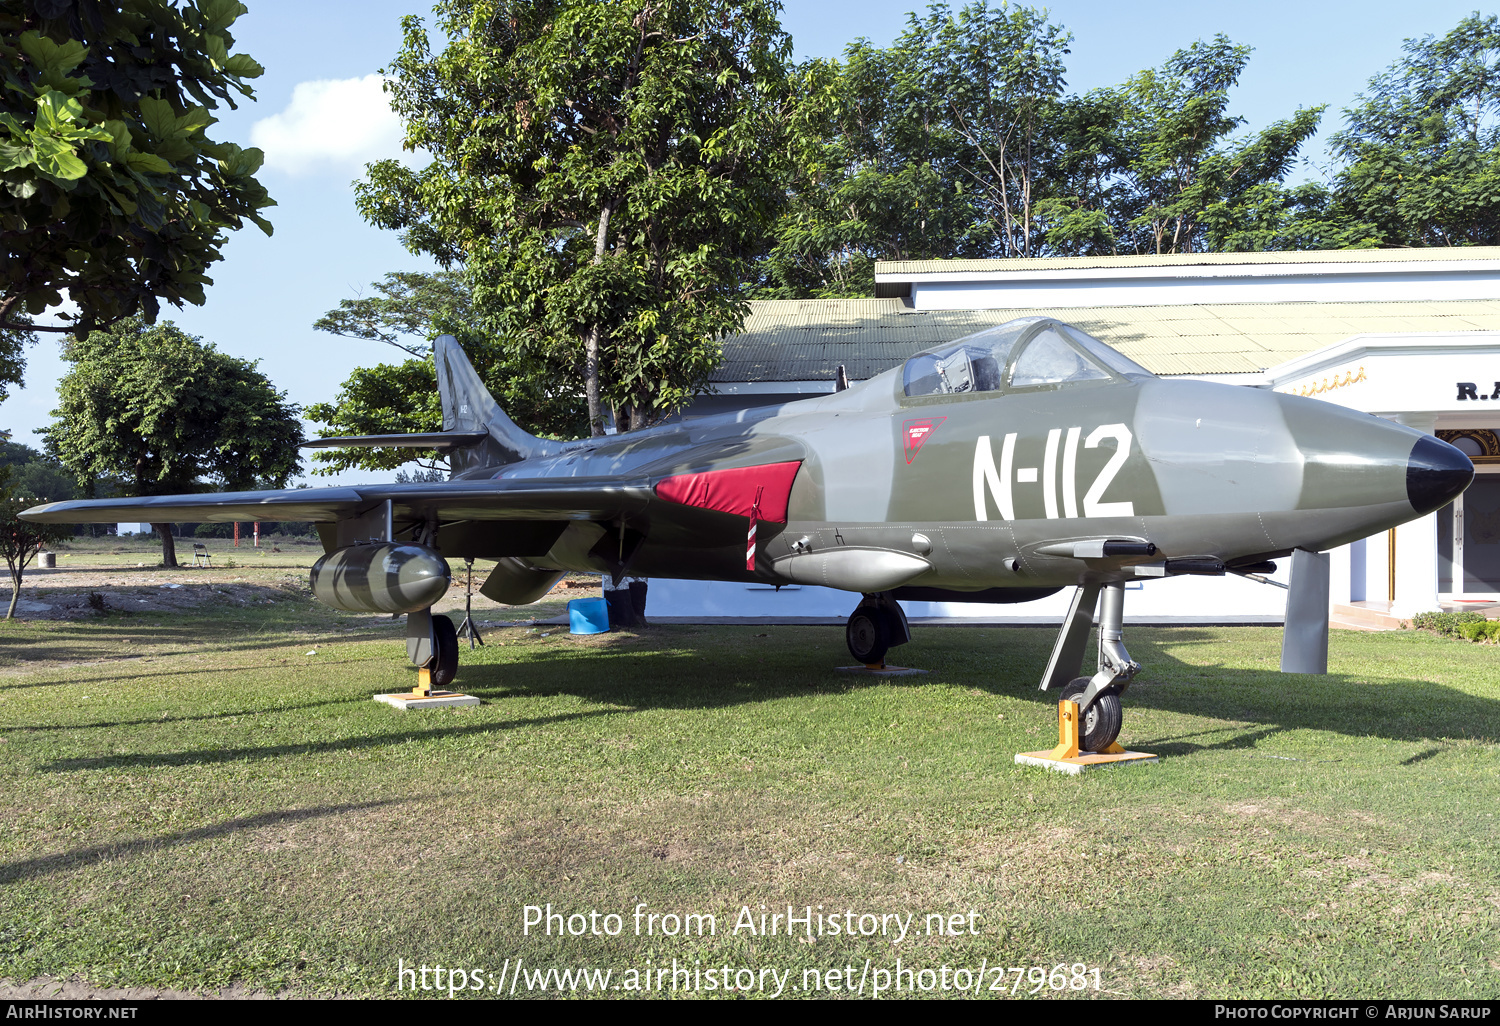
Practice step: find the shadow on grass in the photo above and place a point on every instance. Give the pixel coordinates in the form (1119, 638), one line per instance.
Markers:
(1393, 707)
(82, 857)
(158, 720)
(81, 644)
(200, 671)
(1259, 703)
(696, 669)
(348, 744)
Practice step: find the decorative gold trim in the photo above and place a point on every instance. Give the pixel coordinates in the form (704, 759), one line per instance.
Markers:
(1390, 564)
(1318, 388)
(1487, 440)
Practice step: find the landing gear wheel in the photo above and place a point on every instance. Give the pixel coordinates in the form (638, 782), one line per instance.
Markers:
(869, 636)
(1101, 723)
(444, 652)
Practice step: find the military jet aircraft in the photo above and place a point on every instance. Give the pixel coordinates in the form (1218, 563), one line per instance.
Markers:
(1000, 467)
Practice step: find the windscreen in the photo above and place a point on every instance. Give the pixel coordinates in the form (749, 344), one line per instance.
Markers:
(1106, 355)
(971, 364)
(1052, 353)
(1049, 359)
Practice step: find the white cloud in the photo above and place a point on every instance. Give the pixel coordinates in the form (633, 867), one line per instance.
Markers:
(330, 125)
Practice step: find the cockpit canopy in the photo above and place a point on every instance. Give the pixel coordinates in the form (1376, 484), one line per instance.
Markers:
(1019, 354)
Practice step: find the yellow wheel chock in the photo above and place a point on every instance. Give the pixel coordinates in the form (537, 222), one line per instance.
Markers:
(1068, 758)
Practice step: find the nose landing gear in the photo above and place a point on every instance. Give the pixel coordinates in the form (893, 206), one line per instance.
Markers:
(1099, 724)
(1089, 712)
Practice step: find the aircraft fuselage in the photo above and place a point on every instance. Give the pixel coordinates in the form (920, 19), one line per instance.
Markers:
(988, 489)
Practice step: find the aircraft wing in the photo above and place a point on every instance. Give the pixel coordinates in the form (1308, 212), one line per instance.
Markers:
(579, 498)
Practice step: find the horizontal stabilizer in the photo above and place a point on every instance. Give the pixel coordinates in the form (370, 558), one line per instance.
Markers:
(409, 440)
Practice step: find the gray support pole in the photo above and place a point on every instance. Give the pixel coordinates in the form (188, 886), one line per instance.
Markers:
(1304, 640)
(1067, 654)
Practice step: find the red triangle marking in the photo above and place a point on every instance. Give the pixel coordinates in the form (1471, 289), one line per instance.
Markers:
(917, 432)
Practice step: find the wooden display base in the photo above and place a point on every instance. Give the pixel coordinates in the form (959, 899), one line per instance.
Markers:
(424, 697)
(1067, 758)
(881, 671)
(436, 700)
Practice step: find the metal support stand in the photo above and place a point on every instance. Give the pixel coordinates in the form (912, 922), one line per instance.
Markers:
(1116, 669)
(1304, 645)
(467, 629)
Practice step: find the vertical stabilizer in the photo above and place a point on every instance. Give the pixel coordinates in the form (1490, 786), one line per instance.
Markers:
(468, 406)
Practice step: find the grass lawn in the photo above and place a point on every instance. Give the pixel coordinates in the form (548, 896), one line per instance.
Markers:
(194, 801)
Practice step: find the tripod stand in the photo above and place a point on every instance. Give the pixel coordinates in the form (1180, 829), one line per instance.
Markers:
(467, 628)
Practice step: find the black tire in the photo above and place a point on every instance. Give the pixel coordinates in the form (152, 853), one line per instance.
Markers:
(1101, 724)
(444, 652)
(868, 635)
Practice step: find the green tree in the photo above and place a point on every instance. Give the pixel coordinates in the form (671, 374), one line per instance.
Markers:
(403, 310)
(20, 540)
(958, 141)
(112, 192)
(161, 410)
(993, 80)
(602, 171)
(1421, 150)
(1152, 166)
(406, 311)
(938, 146)
(32, 473)
(13, 343)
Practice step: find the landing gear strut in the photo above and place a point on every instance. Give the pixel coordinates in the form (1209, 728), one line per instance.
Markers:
(877, 625)
(1098, 697)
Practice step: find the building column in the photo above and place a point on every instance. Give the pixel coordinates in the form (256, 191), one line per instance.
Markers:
(1416, 567)
(1416, 546)
(1359, 574)
(1339, 577)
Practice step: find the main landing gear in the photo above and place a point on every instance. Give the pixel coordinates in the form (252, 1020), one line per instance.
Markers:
(876, 626)
(432, 644)
(1098, 697)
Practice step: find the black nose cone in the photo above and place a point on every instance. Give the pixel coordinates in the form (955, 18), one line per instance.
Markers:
(1435, 473)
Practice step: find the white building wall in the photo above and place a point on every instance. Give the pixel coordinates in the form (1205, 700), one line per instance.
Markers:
(1358, 556)
(1177, 599)
(1340, 576)
(1059, 292)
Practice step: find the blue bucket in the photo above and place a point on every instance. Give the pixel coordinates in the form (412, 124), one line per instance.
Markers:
(588, 616)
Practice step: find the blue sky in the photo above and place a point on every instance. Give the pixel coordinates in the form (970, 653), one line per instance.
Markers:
(319, 117)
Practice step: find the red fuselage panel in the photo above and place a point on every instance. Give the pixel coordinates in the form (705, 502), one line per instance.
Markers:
(735, 491)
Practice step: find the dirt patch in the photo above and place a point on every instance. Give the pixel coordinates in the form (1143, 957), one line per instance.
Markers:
(74, 603)
(74, 989)
(1159, 975)
(82, 586)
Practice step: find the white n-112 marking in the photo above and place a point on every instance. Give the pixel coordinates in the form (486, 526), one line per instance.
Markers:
(998, 483)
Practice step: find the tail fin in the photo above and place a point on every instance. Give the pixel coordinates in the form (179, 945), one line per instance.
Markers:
(469, 407)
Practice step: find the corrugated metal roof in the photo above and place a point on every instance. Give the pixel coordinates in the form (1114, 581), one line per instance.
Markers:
(893, 269)
(806, 340)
